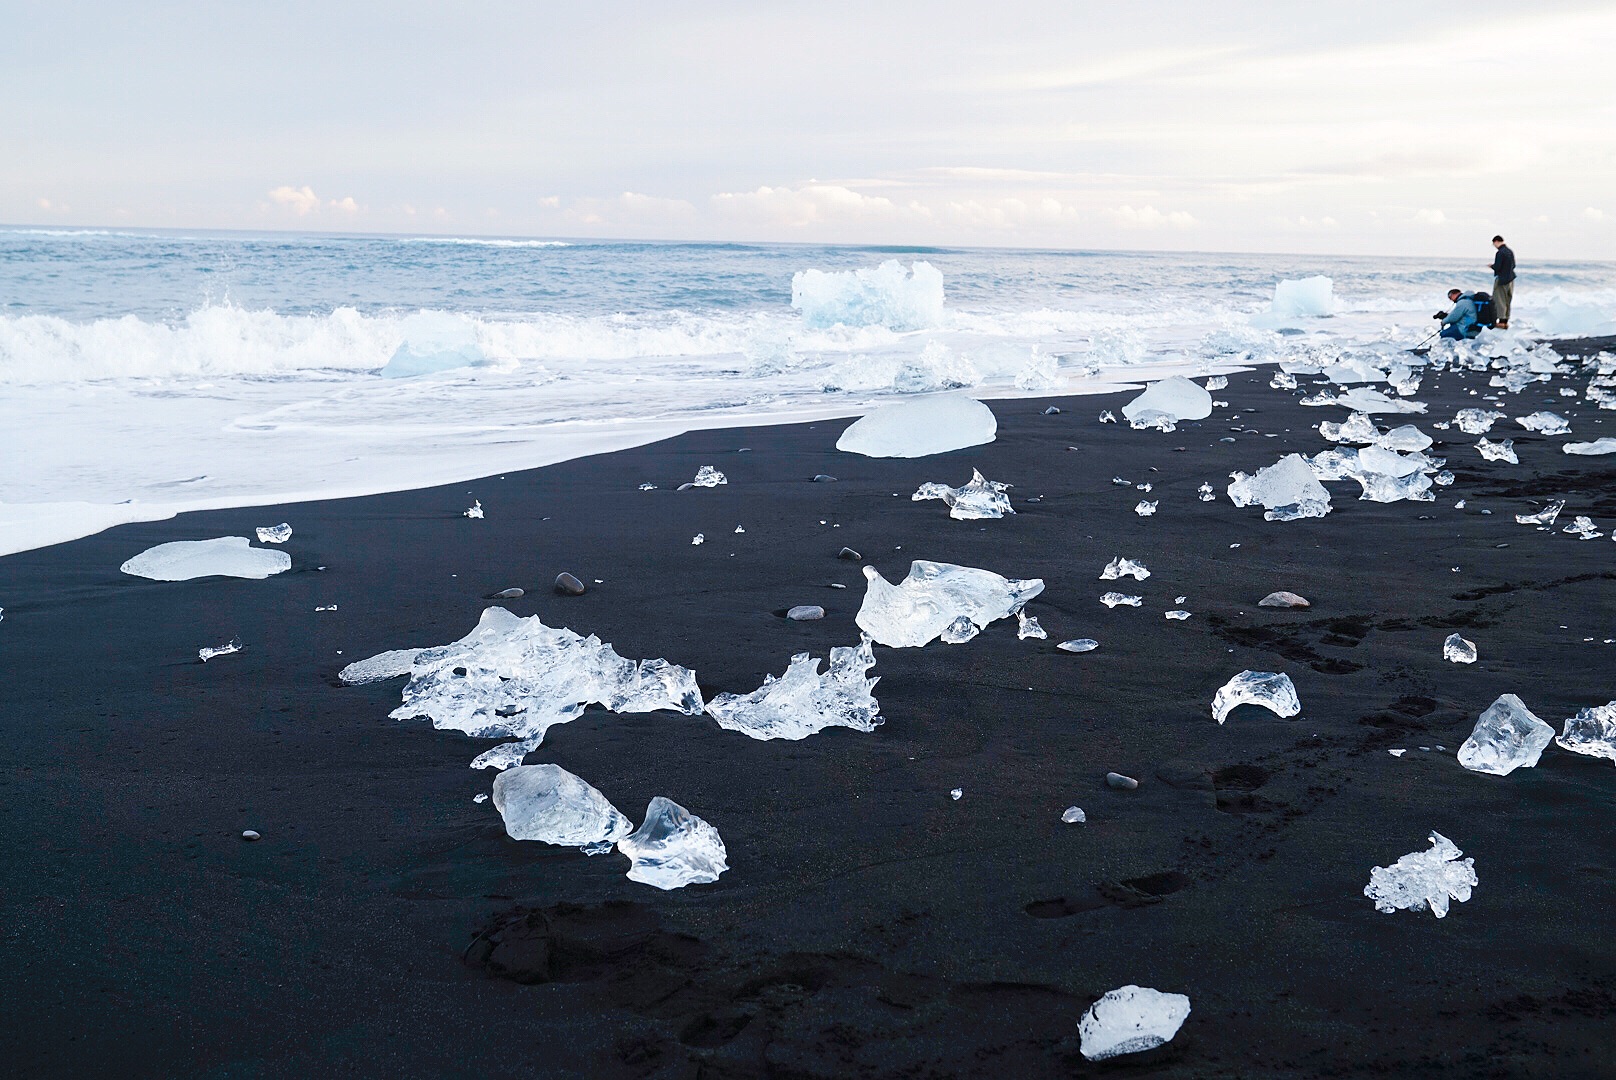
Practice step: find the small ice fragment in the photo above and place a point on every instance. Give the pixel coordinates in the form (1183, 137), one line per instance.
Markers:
(1506, 737)
(1074, 815)
(274, 534)
(1120, 567)
(1079, 645)
(1153, 419)
(1443, 478)
(1112, 599)
(1283, 380)
(233, 646)
(325, 607)
(1145, 508)
(1272, 690)
(1592, 732)
(920, 428)
(647, 487)
(1144, 487)
(1180, 599)
(1108, 417)
(1500, 451)
(1545, 516)
(1583, 528)
(480, 797)
(708, 477)
(1218, 382)
(1206, 493)
(548, 803)
(1178, 616)
(1477, 421)
(1120, 482)
(1460, 505)
(699, 538)
(1423, 879)
(1545, 423)
(673, 848)
(225, 556)
(739, 529)
(933, 597)
(958, 632)
(975, 501)
(957, 794)
(1397, 753)
(1027, 627)
(1129, 1020)
(1287, 489)
(1458, 650)
(803, 702)
(475, 510)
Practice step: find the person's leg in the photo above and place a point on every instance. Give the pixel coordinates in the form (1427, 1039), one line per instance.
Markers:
(1503, 292)
(1451, 333)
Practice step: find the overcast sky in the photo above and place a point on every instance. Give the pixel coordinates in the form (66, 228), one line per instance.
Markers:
(1243, 125)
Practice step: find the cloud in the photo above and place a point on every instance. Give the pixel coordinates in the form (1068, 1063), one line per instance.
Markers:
(300, 201)
(1594, 214)
(345, 204)
(1148, 217)
(1430, 217)
(810, 204)
(630, 208)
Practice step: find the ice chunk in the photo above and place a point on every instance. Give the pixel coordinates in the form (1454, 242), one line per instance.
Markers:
(1458, 650)
(1407, 437)
(1177, 616)
(1107, 416)
(1113, 599)
(1079, 645)
(233, 646)
(921, 607)
(1499, 451)
(274, 534)
(1287, 488)
(975, 501)
(548, 803)
(1583, 528)
(475, 510)
(1074, 815)
(1042, 372)
(1312, 297)
(958, 632)
(1545, 423)
(1283, 380)
(707, 477)
(1567, 318)
(1272, 690)
(1606, 445)
(889, 295)
(387, 665)
(1506, 738)
(1206, 493)
(673, 848)
(1545, 516)
(699, 538)
(1153, 419)
(1477, 421)
(1120, 567)
(1423, 879)
(1131, 1019)
(1027, 627)
(802, 701)
(913, 429)
(434, 341)
(1377, 459)
(1175, 397)
(647, 487)
(1218, 382)
(224, 556)
(1592, 732)
(1146, 507)
(518, 677)
(1356, 428)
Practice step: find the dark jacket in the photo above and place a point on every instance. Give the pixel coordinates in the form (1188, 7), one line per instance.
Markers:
(1504, 265)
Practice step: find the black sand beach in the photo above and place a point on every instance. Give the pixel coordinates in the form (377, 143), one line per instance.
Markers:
(869, 924)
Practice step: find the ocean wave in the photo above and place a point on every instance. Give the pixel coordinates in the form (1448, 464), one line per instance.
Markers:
(887, 295)
(477, 241)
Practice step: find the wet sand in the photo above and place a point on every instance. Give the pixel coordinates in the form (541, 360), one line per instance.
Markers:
(869, 925)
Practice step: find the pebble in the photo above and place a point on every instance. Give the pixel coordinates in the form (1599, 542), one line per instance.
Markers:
(850, 555)
(805, 613)
(1283, 599)
(1120, 782)
(250, 834)
(1052, 411)
(822, 478)
(567, 585)
(506, 594)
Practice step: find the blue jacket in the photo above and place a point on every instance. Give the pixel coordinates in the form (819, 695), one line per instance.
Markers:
(1463, 314)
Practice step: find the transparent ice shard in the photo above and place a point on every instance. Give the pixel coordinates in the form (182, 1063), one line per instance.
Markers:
(1120, 567)
(699, 539)
(548, 803)
(1079, 645)
(1107, 416)
(1583, 528)
(1153, 419)
(673, 848)
(1027, 627)
(1606, 445)
(1499, 451)
(979, 499)
(1545, 423)
(958, 632)
(1074, 815)
(1506, 738)
(1272, 690)
(1356, 428)
(1283, 380)
(234, 645)
(274, 534)
(1178, 616)
(1129, 1020)
(1545, 516)
(1113, 599)
(1287, 488)
(921, 607)
(1458, 650)
(1477, 421)
(387, 665)
(1407, 438)
(707, 477)
(1206, 493)
(803, 702)
(517, 677)
(1217, 382)
(225, 556)
(957, 794)
(1592, 732)
(1145, 508)
(920, 428)
(1176, 398)
(1423, 879)
(647, 487)
(475, 510)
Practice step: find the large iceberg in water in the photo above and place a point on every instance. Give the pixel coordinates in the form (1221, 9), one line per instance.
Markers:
(518, 677)
(548, 803)
(1175, 397)
(910, 429)
(1287, 488)
(802, 701)
(887, 295)
(1423, 879)
(673, 848)
(224, 556)
(939, 600)
(434, 341)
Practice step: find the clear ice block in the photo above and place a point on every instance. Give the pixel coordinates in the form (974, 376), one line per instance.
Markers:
(1270, 689)
(673, 848)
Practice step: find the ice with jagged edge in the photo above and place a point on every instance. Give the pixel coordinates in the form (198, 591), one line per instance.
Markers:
(978, 500)
(274, 534)
(518, 677)
(1545, 423)
(911, 429)
(933, 597)
(1458, 650)
(707, 477)
(1287, 489)
(1146, 507)
(1385, 476)
(1130, 1020)
(1478, 421)
(1116, 599)
(1506, 737)
(1273, 690)
(1120, 567)
(1423, 879)
(1176, 398)
(1153, 420)
(1544, 516)
(1498, 451)
(548, 803)
(1592, 732)
(207, 653)
(673, 848)
(224, 556)
(1364, 400)
(1217, 382)
(1583, 528)
(1027, 627)
(803, 702)
(1606, 445)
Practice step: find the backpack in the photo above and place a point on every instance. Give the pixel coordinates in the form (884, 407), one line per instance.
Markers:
(1484, 308)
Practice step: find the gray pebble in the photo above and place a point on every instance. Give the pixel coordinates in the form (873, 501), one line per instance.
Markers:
(823, 478)
(1052, 411)
(850, 555)
(506, 594)
(250, 834)
(567, 585)
(1120, 782)
(805, 613)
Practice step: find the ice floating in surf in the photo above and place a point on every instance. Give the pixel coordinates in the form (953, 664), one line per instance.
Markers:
(975, 501)
(1591, 732)
(803, 702)
(911, 429)
(224, 556)
(1272, 690)
(550, 804)
(1506, 737)
(933, 597)
(1130, 1020)
(1287, 489)
(673, 848)
(434, 341)
(1423, 879)
(1177, 398)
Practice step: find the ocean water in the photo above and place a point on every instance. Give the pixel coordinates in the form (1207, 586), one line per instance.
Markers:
(147, 373)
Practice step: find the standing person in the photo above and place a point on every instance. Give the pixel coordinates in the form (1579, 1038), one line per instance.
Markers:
(1503, 269)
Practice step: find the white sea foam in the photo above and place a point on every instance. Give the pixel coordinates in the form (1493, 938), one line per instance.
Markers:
(482, 241)
(888, 295)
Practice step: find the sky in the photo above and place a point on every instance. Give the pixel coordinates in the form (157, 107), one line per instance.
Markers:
(1246, 125)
